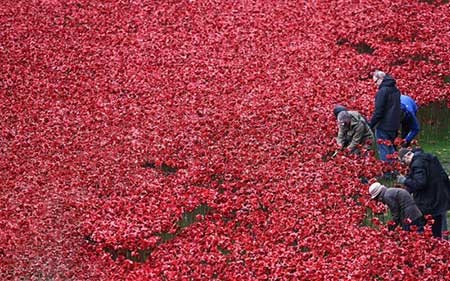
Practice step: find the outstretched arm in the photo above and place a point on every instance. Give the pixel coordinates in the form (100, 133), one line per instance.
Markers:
(340, 137)
(414, 128)
(358, 136)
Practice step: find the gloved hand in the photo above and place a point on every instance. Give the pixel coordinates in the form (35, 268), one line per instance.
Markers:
(401, 179)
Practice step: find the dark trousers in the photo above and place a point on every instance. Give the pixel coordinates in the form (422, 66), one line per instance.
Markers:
(436, 228)
(420, 223)
(444, 224)
(384, 150)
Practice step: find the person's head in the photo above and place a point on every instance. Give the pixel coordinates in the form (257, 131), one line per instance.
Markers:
(378, 77)
(375, 190)
(405, 155)
(344, 118)
(337, 109)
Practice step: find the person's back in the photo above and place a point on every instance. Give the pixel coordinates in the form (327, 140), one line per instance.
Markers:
(401, 204)
(404, 210)
(359, 122)
(408, 104)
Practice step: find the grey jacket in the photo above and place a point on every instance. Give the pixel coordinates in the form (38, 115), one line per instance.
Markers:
(401, 204)
(357, 133)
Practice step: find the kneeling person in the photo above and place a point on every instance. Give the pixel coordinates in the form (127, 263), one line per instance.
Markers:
(401, 204)
(353, 130)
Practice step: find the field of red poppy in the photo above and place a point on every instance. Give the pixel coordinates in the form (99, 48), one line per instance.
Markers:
(191, 140)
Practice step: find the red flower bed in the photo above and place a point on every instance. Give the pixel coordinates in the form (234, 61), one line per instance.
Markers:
(120, 118)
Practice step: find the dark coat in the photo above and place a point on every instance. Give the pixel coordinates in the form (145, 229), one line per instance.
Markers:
(387, 106)
(428, 183)
(401, 204)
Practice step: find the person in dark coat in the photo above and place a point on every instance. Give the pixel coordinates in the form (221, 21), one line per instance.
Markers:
(409, 123)
(428, 183)
(386, 116)
(401, 204)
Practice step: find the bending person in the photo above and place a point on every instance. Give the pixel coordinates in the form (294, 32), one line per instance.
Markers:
(409, 123)
(401, 204)
(353, 131)
(428, 183)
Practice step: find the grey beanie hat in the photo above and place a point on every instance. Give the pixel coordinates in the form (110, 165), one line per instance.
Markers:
(344, 116)
(338, 108)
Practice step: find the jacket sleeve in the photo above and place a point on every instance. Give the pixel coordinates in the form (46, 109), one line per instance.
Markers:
(380, 100)
(414, 128)
(358, 136)
(392, 201)
(416, 179)
(340, 136)
(395, 212)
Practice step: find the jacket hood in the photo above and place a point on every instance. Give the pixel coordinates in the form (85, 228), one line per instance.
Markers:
(338, 108)
(388, 81)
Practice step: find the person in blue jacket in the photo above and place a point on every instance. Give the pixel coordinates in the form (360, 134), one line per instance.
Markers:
(386, 116)
(410, 124)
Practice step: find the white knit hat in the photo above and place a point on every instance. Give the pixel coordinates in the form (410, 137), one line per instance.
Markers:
(375, 189)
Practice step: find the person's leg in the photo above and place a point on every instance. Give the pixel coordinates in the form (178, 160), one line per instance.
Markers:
(406, 227)
(436, 228)
(444, 224)
(391, 135)
(384, 150)
(419, 223)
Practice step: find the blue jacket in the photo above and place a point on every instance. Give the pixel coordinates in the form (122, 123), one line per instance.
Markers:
(387, 106)
(409, 120)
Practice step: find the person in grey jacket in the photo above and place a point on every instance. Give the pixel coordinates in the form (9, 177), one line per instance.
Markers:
(353, 131)
(401, 204)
